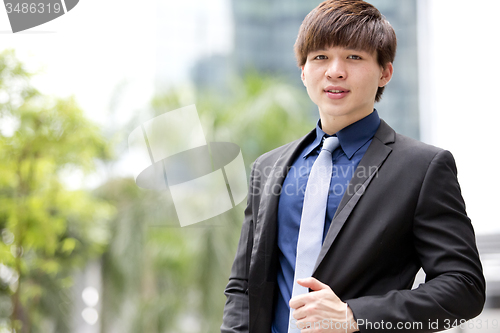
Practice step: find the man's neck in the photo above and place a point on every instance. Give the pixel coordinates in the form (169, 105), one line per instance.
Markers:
(332, 124)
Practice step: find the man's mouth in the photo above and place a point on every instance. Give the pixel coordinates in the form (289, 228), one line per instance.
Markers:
(336, 92)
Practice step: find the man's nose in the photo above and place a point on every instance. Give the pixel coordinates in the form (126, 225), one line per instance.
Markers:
(336, 69)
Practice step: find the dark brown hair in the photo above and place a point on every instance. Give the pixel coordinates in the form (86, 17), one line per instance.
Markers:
(353, 24)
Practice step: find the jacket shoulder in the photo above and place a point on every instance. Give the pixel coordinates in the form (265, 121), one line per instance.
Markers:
(272, 156)
(404, 145)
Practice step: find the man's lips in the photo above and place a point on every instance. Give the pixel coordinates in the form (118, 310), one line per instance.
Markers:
(336, 89)
(335, 92)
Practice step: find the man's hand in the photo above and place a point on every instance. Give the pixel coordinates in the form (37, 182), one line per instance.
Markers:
(321, 311)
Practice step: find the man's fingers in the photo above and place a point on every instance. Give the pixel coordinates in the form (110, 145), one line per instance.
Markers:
(297, 302)
(298, 315)
(312, 283)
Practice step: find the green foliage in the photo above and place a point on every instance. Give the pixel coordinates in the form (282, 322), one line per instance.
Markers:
(47, 230)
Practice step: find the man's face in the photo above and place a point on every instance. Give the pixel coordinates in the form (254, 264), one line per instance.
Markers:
(343, 83)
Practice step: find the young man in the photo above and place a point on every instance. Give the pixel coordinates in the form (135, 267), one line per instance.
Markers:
(336, 234)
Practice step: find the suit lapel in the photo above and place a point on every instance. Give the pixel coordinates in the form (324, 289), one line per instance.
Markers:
(265, 229)
(264, 250)
(363, 175)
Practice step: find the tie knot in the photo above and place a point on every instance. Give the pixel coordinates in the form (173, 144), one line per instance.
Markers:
(330, 143)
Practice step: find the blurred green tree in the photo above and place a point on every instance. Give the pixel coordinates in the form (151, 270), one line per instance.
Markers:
(158, 277)
(47, 231)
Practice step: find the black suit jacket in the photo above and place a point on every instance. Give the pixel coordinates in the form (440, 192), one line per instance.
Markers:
(403, 210)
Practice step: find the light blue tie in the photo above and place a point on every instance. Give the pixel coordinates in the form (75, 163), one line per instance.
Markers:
(312, 221)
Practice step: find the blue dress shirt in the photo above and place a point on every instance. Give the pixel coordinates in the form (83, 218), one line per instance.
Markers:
(354, 141)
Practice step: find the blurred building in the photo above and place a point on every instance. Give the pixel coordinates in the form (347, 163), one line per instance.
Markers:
(400, 103)
(265, 34)
(489, 249)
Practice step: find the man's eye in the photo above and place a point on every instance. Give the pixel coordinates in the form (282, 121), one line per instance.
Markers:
(355, 57)
(320, 57)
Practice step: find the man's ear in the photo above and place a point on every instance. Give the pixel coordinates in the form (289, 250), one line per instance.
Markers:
(386, 75)
(302, 75)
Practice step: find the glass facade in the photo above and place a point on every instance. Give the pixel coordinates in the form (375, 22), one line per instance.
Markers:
(265, 32)
(399, 104)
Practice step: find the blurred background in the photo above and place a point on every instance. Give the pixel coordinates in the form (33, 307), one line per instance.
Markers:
(83, 249)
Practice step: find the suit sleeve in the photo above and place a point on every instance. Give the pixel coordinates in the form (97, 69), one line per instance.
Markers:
(445, 243)
(236, 310)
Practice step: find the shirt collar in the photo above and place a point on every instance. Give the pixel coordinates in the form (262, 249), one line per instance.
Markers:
(352, 137)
